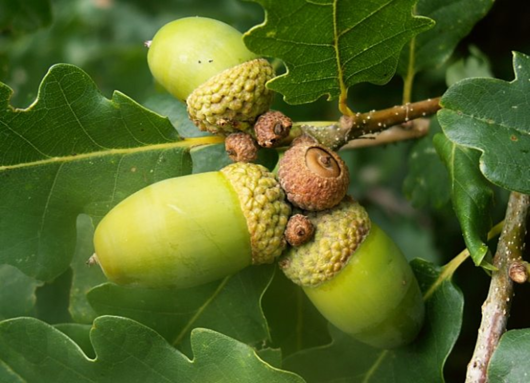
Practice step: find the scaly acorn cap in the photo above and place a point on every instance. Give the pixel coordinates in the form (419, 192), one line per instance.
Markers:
(264, 207)
(338, 234)
(313, 176)
(357, 278)
(232, 99)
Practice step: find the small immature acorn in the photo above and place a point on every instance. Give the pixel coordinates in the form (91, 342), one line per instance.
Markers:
(194, 229)
(271, 128)
(205, 62)
(313, 176)
(357, 277)
(299, 230)
(241, 147)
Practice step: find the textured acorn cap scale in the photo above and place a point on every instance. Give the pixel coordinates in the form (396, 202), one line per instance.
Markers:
(194, 229)
(357, 278)
(233, 99)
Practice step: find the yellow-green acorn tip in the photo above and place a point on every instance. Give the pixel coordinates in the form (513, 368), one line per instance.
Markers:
(233, 99)
(264, 207)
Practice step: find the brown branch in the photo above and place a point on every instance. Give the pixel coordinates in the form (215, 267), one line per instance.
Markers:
(359, 125)
(496, 308)
(397, 133)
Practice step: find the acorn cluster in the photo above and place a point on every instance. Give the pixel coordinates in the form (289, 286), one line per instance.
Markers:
(195, 229)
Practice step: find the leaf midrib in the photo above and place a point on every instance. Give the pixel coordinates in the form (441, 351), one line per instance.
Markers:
(187, 143)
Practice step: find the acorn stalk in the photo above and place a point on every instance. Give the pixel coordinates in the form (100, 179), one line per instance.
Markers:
(194, 229)
(358, 278)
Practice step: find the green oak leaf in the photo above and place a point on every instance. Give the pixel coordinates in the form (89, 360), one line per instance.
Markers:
(493, 116)
(426, 182)
(80, 334)
(73, 151)
(231, 306)
(17, 17)
(347, 360)
(126, 351)
(471, 195)
(454, 20)
(509, 362)
(329, 45)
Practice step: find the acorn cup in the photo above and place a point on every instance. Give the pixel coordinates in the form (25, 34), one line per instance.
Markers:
(205, 62)
(194, 229)
(357, 277)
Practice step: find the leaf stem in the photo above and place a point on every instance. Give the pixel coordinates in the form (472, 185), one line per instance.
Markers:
(496, 308)
(449, 269)
(409, 78)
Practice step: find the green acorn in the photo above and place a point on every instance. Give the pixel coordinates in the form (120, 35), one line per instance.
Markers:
(357, 277)
(205, 62)
(194, 229)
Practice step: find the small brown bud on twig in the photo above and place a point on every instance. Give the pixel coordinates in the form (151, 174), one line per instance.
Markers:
(271, 128)
(299, 230)
(519, 271)
(241, 147)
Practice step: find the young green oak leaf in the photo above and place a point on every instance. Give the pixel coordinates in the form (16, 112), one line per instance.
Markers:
(493, 116)
(73, 151)
(330, 45)
(454, 20)
(126, 351)
(471, 195)
(423, 360)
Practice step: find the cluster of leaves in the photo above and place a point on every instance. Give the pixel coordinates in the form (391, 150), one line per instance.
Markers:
(73, 154)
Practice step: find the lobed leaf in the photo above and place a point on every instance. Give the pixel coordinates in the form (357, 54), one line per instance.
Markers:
(454, 20)
(329, 45)
(73, 151)
(346, 360)
(126, 351)
(231, 306)
(493, 116)
(471, 195)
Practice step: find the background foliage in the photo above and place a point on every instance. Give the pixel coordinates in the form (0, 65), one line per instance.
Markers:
(95, 131)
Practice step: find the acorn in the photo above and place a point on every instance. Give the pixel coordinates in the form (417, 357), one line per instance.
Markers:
(194, 229)
(357, 277)
(205, 62)
(313, 176)
(299, 230)
(241, 147)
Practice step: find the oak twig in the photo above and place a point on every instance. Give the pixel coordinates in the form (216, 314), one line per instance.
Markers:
(364, 125)
(496, 308)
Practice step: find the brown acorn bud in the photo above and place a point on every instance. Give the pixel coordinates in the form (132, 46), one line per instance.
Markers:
(241, 147)
(313, 176)
(271, 128)
(299, 230)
